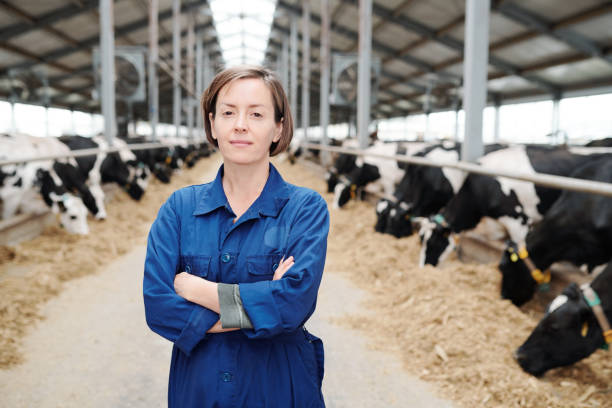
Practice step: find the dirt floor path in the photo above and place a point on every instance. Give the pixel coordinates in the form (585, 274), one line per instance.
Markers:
(94, 350)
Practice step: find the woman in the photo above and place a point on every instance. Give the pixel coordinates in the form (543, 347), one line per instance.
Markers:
(233, 266)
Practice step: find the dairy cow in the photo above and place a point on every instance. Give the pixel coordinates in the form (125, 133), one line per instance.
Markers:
(42, 176)
(576, 324)
(577, 228)
(513, 203)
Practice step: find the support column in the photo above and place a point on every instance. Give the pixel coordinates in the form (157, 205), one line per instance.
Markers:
(153, 59)
(285, 63)
(107, 58)
(176, 64)
(457, 124)
(190, 60)
(497, 120)
(325, 76)
(199, 83)
(305, 67)
(13, 119)
(555, 120)
(294, 68)
(475, 76)
(364, 71)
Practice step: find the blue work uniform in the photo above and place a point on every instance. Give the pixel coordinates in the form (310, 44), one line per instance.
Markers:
(277, 363)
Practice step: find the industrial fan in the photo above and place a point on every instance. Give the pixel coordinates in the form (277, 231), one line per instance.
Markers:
(29, 86)
(129, 73)
(345, 79)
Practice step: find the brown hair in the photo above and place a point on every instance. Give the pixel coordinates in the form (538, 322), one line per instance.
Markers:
(282, 112)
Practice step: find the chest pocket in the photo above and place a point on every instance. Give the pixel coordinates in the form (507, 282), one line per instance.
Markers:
(198, 265)
(261, 267)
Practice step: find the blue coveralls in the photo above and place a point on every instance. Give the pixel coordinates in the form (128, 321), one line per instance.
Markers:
(275, 364)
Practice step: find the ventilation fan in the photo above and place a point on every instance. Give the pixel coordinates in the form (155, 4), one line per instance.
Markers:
(29, 86)
(129, 73)
(345, 79)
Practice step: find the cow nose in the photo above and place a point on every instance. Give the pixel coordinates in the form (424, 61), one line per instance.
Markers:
(518, 356)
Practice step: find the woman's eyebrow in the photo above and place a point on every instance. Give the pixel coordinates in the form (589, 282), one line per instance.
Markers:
(255, 105)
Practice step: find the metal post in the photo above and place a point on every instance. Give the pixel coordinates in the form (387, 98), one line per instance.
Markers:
(325, 74)
(285, 64)
(426, 135)
(294, 67)
(305, 66)
(107, 51)
(190, 58)
(176, 64)
(457, 124)
(153, 59)
(13, 119)
(475, 76)
(208, 73)
(497, 122)
(555, 120)
(364, 71)
(199, 80)
(72, 124)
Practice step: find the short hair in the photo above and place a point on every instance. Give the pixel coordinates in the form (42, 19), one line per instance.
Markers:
(282, 112)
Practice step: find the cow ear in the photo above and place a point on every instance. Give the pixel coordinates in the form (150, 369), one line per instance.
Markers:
(572, 291)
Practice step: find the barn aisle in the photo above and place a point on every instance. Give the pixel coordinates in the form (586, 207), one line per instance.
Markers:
(93, 349)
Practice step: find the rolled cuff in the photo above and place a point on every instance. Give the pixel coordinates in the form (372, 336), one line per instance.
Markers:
(231, 311)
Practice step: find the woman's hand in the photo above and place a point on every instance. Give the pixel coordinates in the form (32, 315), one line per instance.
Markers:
(283, 267)
(185, 283)
(217, 328)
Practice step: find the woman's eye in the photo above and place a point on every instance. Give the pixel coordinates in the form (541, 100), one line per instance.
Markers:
(257, 114)
(227, 113)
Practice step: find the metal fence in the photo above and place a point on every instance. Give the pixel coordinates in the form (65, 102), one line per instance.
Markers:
(89, 152)
(547, 180)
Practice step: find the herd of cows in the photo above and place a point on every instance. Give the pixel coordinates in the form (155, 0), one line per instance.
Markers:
(544, 225)
(72, 187)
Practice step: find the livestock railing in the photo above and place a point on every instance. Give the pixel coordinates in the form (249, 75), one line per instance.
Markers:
(547, 180)
(92, 151)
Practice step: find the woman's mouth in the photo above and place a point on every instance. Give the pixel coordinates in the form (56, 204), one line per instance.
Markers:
(240, 143)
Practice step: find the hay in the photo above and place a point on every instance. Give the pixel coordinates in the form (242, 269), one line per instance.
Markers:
(448, 324)
(56, 256)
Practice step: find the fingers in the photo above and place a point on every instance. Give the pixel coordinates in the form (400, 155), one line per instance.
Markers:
(283, 267)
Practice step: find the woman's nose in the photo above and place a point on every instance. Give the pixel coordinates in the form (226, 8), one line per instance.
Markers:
(240, 125)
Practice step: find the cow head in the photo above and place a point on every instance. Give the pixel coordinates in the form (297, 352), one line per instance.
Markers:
(343, 192)
(72, 213)
(383, 207)
(400, 222)
(162, 172)
(332, 179)
(517, 284)
(436, 240)
(567, 333)
(139, 173)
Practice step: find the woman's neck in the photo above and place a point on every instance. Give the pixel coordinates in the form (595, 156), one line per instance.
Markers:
(243, 184)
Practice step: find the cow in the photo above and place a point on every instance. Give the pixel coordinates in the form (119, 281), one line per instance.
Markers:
(41, 176)
(605, 142)
(577, 228)
(572, 328)
(384, 172)
(104, 167)
(155, 159)
(514, 203)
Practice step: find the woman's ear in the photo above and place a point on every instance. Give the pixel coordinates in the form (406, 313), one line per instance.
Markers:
(278, 131)
(211, 119)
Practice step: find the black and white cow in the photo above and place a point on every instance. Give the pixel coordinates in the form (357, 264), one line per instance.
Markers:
(577, 228)
(570, 330)
(384, 174)
(43, 177)
(106, 167)
(513, 203)
(343, 164)
(605, 142)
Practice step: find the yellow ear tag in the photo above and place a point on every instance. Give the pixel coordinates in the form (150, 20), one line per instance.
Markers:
(514, 257)
(523, 253)
(585, 329)
(353, 188)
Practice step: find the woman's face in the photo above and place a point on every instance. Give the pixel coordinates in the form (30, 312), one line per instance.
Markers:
(244, 123)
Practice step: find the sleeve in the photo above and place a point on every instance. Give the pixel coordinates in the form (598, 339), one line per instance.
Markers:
(283, 305)
(231, 310)
(167, 313)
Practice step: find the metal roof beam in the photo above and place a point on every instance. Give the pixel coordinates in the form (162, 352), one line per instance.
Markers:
(574, 40)
(119, 32)
(47, 19)
(380, 47)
